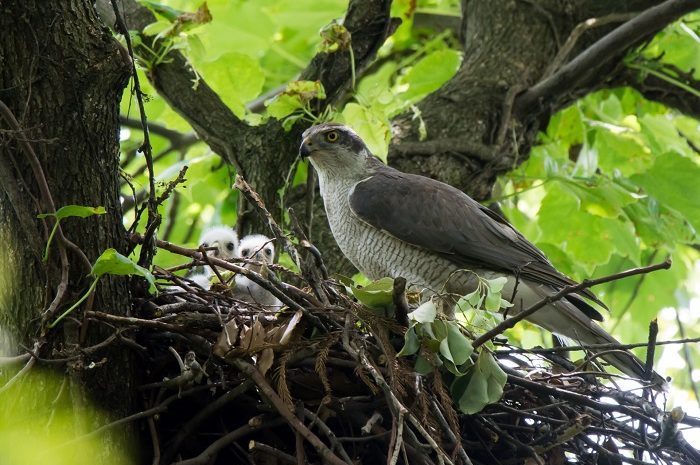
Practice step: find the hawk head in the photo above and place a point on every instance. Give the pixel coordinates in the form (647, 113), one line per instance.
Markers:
(223, 239)
(257, 247)
(335, 149)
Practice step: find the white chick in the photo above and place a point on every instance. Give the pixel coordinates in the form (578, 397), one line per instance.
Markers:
(260, 249)
(223, 238)
(225, 242)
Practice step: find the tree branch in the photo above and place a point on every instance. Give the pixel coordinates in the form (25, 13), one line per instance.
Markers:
(593, 60)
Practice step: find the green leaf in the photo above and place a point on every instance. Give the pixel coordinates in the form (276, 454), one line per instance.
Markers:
(425, 313)
(430, 73)
(482, 386)
(371, 125)
(295, 96)
(375, 294)
(169, 13)
(568, 125)
(237, 77)
(496, 284)
(114, 263)
(493, 301)
(589, 240)
(81, 211)
(460, 346)
(423, 366)
(673, 181)
(411, 343)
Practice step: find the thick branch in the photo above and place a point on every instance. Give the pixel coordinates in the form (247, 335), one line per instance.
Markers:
(593, 60)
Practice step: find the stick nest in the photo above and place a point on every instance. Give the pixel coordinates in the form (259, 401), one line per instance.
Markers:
(320, 382)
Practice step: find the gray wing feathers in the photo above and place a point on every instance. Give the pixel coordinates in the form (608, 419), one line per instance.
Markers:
(438, 217)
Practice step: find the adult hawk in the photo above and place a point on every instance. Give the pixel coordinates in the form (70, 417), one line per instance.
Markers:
(390, 223)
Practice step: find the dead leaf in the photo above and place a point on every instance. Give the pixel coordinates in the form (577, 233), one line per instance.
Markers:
(265, 360)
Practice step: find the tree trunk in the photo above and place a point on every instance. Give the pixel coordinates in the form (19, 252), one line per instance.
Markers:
(62, 77)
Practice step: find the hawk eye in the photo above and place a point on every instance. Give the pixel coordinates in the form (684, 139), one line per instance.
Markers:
(229, 246)
(245, 253)
(268, 252)
(332, 136)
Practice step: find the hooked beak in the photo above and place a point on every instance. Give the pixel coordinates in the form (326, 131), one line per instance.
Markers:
(305, 148)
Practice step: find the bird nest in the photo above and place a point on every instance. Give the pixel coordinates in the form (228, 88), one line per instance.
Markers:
(328, 379)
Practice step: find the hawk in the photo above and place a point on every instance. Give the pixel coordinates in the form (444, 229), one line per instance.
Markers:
(390, 223)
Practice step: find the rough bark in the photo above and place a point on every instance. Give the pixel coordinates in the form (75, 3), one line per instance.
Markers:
(62, 77)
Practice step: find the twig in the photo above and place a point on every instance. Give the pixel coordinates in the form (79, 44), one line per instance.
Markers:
(580, 399)
(25, 369)
(22, 358)
(154, 440)
(398, 442)
(397, 407)
(687, 356)
(548, 350)
(288, 415)
(211, 451)
(651, 349)
(578, 31)
(283, 457)
(335, 444)
(148, 248)
(160, 408)
(398, 295)
(311, 274)
(279, 292)
(255, 199)
(512, 321)
(212, 407)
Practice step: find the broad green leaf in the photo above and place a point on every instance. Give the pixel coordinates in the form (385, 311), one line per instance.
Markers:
(430, 73)
(568, 125)
(66, 211)
(624, 152)
(439, 329)
(590, 240)
(423, 366)
(425, 313)
(375, 294)
(482, 386)
(460, 346)
(238, 79)
(662, 135)
(492, 303)
(673, 181)
(496, 284)
(411, 343)
(601, 197)
(610, 108)
(80, 211)
(371, 125)
(114, 263)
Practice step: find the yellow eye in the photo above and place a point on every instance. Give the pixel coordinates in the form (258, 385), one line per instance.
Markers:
(332, 136)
